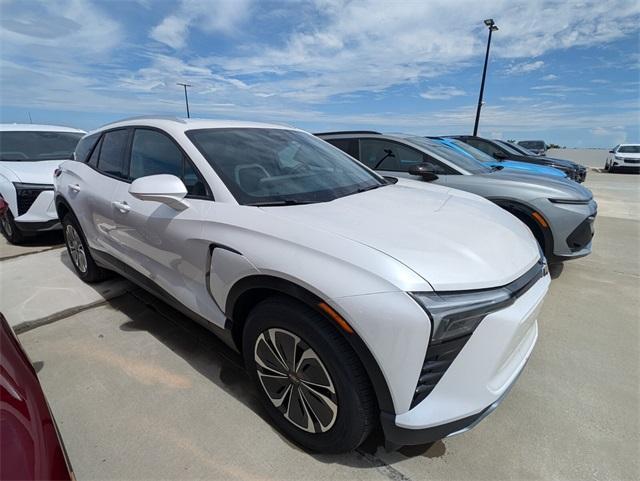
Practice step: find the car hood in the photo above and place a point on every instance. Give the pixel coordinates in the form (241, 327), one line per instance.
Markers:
(540, 186)
(630, 155)
(562, 162)
(40, 172)
(533, 168)
(452, 239)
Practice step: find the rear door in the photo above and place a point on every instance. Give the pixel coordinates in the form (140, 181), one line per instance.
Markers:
(164, 244)
(89, 184)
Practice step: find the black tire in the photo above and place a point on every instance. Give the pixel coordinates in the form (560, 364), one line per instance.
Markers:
(333, 431)
(10, 229)
(78, 249)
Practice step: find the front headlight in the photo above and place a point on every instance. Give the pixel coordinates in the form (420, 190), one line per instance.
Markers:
(459, 313)
(570, 201)
(619, 157)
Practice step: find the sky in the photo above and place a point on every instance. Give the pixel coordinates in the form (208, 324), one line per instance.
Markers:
(567, 72)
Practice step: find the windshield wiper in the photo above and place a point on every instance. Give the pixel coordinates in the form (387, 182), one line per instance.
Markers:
(270, 203)
(371, 187)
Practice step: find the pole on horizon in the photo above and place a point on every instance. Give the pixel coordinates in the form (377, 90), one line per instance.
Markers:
(186, 98)
(491, 25)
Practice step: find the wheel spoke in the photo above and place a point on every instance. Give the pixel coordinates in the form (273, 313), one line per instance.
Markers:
(323, 408)
(295, 380)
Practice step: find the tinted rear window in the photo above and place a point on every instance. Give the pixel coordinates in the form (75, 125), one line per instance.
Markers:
(112, 153)
(85, 146)
(33, 146)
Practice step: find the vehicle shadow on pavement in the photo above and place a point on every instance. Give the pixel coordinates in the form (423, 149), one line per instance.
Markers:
(216, 361)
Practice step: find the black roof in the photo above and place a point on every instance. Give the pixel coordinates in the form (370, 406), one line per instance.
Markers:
(338, 132)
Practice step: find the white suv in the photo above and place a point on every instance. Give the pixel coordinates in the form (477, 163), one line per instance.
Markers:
(353, 299)
(28, 156)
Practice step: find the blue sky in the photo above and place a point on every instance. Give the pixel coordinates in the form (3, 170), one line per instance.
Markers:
(567, 72)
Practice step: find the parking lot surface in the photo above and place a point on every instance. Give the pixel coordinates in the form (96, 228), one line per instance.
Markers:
(139, 391)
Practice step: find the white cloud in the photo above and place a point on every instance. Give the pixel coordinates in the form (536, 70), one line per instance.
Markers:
(515, 98)
(550, 77)
(442, 93)
(219, 16)
(524, 67)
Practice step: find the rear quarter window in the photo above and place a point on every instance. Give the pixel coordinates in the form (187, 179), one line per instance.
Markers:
(85, 147)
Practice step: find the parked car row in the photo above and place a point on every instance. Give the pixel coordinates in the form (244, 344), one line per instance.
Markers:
(357, 295)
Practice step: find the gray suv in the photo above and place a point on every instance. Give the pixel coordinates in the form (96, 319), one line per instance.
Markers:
(559, 212)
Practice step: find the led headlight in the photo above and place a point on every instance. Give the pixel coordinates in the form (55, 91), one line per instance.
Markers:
(459, 313)
(30, 189)
(619, 157)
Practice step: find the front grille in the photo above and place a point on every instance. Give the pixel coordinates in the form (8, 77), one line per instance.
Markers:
(439, 358)
(26, 200)
(26, 195)
(632, 161)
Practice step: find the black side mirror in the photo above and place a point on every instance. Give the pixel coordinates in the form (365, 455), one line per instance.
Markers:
(499, 155)
(612, 151)
(423, 170)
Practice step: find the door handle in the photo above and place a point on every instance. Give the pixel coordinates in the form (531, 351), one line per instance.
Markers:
(75, 187)
(121, 206)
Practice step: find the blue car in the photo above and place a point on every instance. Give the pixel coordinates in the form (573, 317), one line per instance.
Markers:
(513, 165)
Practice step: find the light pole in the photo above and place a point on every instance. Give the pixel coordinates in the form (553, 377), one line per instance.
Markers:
(186, 99)
(492, 28)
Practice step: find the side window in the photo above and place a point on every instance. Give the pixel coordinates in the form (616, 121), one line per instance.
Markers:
(84, 147)
(350, 146)
(153, 153)
(93, 160)
(486, 147)
(439, 167)
(112, 153)
(387, 155)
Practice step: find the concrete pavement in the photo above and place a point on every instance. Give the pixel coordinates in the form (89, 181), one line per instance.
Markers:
(41, 286)
(139, 391)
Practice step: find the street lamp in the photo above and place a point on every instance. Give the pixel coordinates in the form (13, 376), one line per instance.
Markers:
(186, 99)
(491, 25)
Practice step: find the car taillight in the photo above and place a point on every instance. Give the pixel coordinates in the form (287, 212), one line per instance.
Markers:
(3, 206)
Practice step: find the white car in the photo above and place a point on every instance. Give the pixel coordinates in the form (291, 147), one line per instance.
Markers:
(353, 299)
(623, 158)
(29, 154)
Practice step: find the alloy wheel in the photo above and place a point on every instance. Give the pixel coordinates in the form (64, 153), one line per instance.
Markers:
(76, 248)
(296, 380)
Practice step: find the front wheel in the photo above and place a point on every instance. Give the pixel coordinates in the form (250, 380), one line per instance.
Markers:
(309, 379)
(78, 250)
(10, 229)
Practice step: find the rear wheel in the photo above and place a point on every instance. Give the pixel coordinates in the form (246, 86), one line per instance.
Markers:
(78, 250)
(310, 381)
(10, 229)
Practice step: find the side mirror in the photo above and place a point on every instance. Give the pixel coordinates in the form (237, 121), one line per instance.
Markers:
(499, 155)
(612, 151)
(423, 170)
(164, 188)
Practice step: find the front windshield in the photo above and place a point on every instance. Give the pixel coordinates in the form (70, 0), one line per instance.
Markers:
(279, 166)
(513, 149)
(17, 146)
(450, 154)
(532, 144)
(475, 153)
(629, 149)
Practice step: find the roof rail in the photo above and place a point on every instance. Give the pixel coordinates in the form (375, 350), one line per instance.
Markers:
(148, 117)
(338, 132)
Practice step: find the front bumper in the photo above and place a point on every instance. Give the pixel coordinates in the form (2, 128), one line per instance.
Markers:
(479, 377)
(40, 216)
(571, 227)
